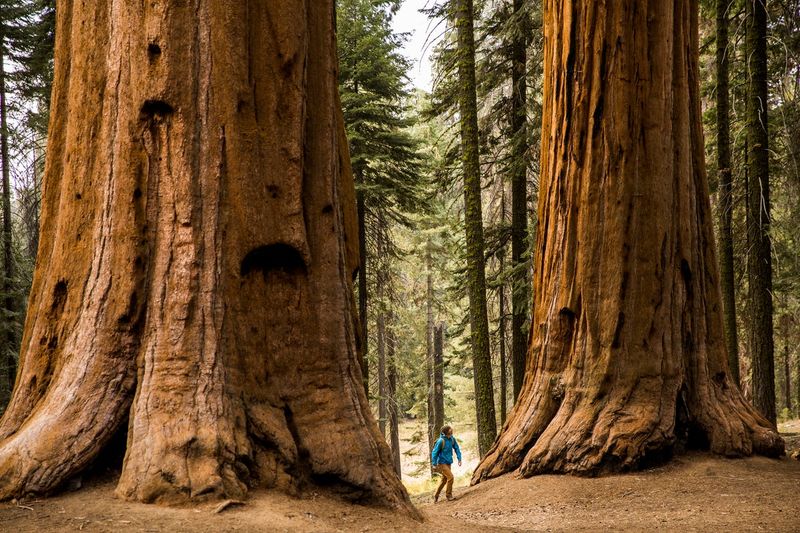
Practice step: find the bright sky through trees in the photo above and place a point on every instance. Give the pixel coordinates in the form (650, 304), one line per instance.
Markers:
(417, 48)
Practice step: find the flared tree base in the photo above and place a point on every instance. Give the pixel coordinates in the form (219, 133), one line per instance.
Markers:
(594, 434)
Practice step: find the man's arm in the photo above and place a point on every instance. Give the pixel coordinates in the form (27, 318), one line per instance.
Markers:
(457, 449)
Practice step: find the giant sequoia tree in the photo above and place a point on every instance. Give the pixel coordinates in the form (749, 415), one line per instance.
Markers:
(198, 242)
(627, 357)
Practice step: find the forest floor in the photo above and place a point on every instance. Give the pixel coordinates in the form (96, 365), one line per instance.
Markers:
(694, 492)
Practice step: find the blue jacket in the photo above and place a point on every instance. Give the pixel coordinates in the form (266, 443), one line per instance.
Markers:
(443, 450)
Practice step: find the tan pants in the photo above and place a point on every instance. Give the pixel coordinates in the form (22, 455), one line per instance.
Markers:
(447, 479)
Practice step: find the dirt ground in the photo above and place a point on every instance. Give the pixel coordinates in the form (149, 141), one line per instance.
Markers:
(696, 492)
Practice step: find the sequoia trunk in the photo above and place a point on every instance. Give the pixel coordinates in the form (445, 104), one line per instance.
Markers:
(195, 264)
(627, 357)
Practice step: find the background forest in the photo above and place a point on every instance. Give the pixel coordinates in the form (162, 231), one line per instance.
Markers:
(447, 193)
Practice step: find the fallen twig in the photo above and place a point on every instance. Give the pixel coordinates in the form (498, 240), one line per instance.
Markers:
(227, 503)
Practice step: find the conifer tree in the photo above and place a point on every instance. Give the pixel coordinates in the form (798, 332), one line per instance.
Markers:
(473, 222)
(384, 155)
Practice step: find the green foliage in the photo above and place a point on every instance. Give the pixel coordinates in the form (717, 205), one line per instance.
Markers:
(372, 81)
(27, 30)
(28, 27)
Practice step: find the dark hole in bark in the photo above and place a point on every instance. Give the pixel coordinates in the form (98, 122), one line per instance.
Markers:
(301, 471)
(59, 296)
(153, 50)
(686, 273)
(156, 108)
(623, 288)
(342, 489)
(273, 191)
(721, 379)
(52, 343)
(137, 193)
(78, 196)
(273, 257)
(107, 466)
(327, 209)
(688, 433)
(131, 311)
(618, 331)
(656, 456)
(566, 325)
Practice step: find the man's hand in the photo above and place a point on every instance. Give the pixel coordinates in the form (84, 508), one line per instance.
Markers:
(459, 462)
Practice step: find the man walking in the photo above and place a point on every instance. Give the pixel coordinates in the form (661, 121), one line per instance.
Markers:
(442, 458)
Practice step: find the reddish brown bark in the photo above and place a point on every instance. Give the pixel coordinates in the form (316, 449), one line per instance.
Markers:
(196, 258)
(627, 359)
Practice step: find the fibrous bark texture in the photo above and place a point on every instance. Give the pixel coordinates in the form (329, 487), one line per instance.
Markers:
(627, 358)
(195, 261)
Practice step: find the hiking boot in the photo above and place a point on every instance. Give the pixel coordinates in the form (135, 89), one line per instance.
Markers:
(435, 498)
(451, 498)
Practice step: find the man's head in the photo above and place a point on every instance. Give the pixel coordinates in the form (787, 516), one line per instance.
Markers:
(447, 431)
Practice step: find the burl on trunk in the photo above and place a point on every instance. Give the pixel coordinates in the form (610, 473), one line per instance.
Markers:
(194, 275)
(627, 358)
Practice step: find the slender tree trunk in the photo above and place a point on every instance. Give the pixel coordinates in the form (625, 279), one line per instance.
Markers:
(501, 330)
(196, 261)
(628, 357)
(520, 294)
(394, 429)
(432, 428)
(8, 367)
(362, 283)
(438, 376)
(503, 377)
(797, 383)
(759, 256)
(380, 286)
(473, 221)
(381, 334)
(787, 378)
(786, 330)
(725, 208)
